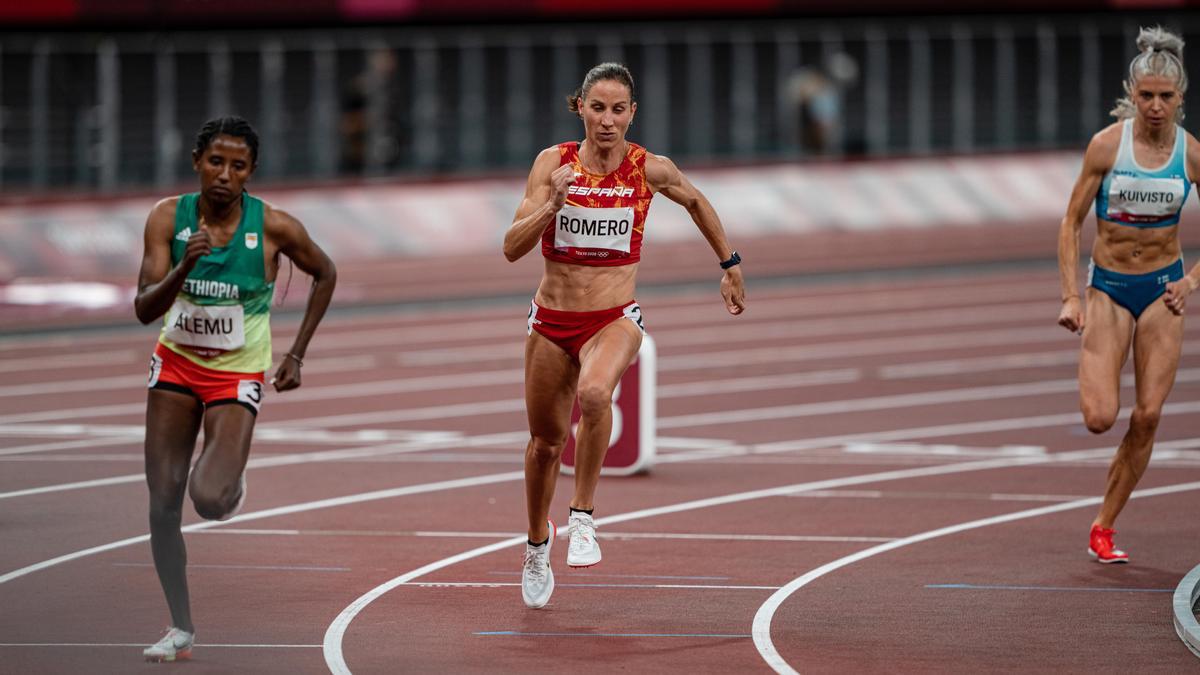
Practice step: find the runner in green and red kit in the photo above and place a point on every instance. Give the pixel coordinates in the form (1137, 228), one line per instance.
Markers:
(210, 264)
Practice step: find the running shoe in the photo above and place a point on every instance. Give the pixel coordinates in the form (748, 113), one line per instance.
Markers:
(537, 579)
(1101, 546)
(176, 645)
(583, 549)
(240, 500)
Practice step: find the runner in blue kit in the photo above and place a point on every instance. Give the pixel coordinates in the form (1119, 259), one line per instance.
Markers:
(1137, 173)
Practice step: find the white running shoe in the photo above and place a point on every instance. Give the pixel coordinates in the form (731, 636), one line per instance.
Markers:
(537, 579)
(583, 549)
(176, 645)
(240, 500)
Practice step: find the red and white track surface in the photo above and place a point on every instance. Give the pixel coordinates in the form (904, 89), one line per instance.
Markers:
(876, 475)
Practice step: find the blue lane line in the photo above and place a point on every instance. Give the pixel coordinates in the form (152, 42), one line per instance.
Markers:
(675, 635)
(1094, 589)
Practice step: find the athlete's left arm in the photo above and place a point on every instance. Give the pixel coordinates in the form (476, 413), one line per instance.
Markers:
(292, 240)
(666, 178)
(1178, 291)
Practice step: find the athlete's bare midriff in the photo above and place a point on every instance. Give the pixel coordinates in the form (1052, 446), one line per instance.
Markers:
(580, 288)
(1135, 250)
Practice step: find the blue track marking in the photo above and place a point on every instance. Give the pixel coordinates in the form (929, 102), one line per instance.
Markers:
(1094, 589)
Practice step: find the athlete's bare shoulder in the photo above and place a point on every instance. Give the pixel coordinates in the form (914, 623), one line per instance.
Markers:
(278, 224)
(661, 171)
(165, 206)
(549, 157)
(1193, 155)
(162, 215)
(1102, 149)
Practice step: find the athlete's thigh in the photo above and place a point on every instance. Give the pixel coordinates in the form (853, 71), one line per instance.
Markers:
(228, 430)
(1108, 329)
(1157, 342)
(605, 357)
(172, 424)
(550, 380)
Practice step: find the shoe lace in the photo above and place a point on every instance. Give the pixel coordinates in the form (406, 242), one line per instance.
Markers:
(583, 531)
(535, 565)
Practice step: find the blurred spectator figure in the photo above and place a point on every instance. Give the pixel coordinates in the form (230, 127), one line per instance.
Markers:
(816, 96)
(368, 130)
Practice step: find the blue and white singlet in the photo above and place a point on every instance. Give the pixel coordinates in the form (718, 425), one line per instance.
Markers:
(1140, 197)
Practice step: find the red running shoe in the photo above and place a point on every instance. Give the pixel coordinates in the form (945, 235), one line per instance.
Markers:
(1101, 547)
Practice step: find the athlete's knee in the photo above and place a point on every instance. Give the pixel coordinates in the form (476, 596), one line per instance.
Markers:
(595, 399)
(164, 512)
(1099, 419)
(1145, 419)
(211, 503)
(546, 450)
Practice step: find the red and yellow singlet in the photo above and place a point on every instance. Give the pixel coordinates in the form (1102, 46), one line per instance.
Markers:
(602, 221)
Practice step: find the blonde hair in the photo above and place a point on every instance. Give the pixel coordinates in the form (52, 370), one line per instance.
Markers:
(1160, 52)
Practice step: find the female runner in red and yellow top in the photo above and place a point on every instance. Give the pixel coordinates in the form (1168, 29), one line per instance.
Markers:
(586, 202)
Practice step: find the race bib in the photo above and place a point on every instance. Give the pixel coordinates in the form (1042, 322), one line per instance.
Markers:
(217, 327)
(583, 227)
(1144, 198)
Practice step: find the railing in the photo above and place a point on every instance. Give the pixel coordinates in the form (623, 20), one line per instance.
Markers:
(107, 112)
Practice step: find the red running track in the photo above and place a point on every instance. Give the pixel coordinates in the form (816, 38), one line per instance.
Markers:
(831, 419)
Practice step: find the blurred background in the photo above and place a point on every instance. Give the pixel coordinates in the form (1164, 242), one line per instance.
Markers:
(400, 131)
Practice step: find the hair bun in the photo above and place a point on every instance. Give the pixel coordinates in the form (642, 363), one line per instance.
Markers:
(1158, 39)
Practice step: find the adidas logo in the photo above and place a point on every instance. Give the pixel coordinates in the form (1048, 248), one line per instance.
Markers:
(184, 234)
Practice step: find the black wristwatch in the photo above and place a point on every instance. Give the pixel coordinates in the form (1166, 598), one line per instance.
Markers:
(733, 260)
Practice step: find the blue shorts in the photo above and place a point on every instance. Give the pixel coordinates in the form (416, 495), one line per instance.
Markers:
(1134, 292)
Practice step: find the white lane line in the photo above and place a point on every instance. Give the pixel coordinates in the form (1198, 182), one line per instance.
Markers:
(701, 361)
(723, 417)
(264, 434)
(280, 568)
(755, 332)
(941, 450)
(907, 344)
(761, 627)
(114, 357)
(814, 538)
(987, 393)
(815, 302)
(141, 645)
(942, 430)
(1065, 357)
(673, 314)
(902, 309)
(335, 633)
(390, 493)
(986, 364)
(711, 449)
(340, 364)
(63, 445)
(505, 584)
(759, 383)
(936, 496)
(294, 458)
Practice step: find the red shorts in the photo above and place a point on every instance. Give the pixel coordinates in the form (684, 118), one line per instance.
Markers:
(171, 372)
(571, 330)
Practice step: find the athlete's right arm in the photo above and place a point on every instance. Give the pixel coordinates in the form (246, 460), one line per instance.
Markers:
(545, 194)
(158, 282)
(1097, 161)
